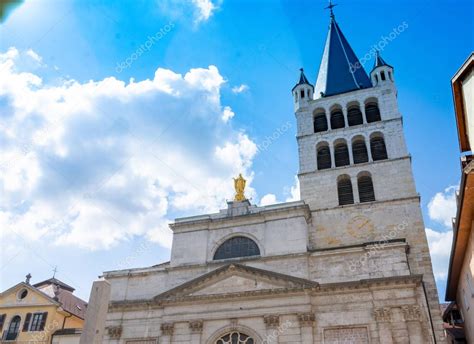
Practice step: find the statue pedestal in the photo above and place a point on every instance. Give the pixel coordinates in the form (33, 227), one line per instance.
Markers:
(235, 208)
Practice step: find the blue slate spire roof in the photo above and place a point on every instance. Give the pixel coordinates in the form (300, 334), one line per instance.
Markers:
(379, 61)
(303, 80)
(340, 70)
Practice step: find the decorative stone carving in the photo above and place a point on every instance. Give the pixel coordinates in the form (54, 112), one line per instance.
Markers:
(272, 320)
(306, 319)
(115, 332)
(167, 329)
(196, 326)
(411, 312)
(382, 314)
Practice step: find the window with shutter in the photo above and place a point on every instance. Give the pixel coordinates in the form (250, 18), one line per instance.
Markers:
(26, 324)
(372, 112)
(2, 321)
(359, 152)
(344, 191)
(378, 149)
(354, 116)
(324, 158)
(337, 119)
(36, 322)
(341, 155)
(320, 123)
(43, 321)
(366, 189)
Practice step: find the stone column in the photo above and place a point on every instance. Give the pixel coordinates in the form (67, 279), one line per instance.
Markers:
(344, 112)
(96, 314)
(369, 151)
(412, 315)
(306, 321)
(272, 322)
(351, 156)
(166, 333)
(399, 327)
(362, 109)
(196, 331)
(331, 152)
(383, 316)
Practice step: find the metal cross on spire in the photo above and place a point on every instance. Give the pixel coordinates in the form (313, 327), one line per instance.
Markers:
(330, 7)
(54, 271)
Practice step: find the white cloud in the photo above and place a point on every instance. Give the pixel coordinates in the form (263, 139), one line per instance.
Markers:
(442, 207)
(227, 113)
(294, 191)
(440, 249)
(268, 199)
(204, 9)
(94, 164)
(200, 10)
(240, 89)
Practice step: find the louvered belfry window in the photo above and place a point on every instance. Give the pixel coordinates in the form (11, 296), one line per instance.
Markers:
(320, 123)
(324, 158)
(341, 155)
(354, 116)
(337, 119)
(344, 191)
(372, 112)
(359, 152)
(378, 149)
(366, 189)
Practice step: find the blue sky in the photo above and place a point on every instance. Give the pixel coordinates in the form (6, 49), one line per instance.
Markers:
(99, 156)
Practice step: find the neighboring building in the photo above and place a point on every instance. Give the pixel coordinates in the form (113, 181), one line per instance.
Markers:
(453, 323)
(460, 285)
(349, 263)
(34, 313)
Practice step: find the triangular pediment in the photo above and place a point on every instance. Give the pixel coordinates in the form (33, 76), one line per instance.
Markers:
(31, 297)
(237, 280)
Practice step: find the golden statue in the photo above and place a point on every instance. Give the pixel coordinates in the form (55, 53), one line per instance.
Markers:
(239, 185)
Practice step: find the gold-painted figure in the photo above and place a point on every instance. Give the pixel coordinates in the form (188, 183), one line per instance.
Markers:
(239, 185)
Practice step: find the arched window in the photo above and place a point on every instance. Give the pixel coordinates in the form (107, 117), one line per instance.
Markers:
(236, 247)
(324, 157)
(13, 328)
(354, 116)
(366, 188)
(378, 149)
(372, 112)
(337, 119)
(235, 337)
(359, 151)
(341, 154)
(320, 122)
(344, 190)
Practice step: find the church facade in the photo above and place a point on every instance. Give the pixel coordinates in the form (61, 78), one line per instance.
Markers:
(349, 263)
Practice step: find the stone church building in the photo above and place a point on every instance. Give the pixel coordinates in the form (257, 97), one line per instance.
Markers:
(349, 263)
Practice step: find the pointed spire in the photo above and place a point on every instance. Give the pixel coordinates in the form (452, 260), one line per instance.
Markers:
(379, 61)
(340, 70)
(303, 80)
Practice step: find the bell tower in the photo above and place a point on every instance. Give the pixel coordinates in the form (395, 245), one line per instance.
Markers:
(355, 171)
